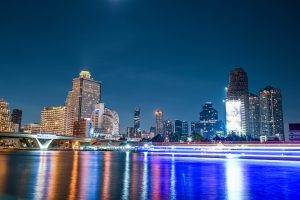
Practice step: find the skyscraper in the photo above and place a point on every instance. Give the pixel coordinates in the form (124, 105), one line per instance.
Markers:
(168, 129)
(271, 112)
(53, 120)
(5, 122)
(81, 99)
(159, 121)
(185, 130)
(254, 116)
(208, 120)
(137, 120)
(237, 103)
(16, 119)
(178, 128)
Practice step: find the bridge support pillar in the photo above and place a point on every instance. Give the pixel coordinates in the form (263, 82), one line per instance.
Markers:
(45, 145)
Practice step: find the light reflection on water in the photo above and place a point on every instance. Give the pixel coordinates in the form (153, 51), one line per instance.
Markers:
(123, 175)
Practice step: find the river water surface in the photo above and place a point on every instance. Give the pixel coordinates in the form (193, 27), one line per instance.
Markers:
(122, 175)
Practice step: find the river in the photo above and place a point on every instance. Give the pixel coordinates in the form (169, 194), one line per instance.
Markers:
(123, 175)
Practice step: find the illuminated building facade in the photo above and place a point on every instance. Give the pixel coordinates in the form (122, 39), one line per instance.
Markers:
(254, 116)
(208, 121)
(97, 115)
(32, 128)
(82, 128)
(159, 122)
(5, 121)
(81, 99)
(53, 120)
(271, 113)
(237, 103)
(233, 117)
(137, 120)
(106, 120)
(168, 129)
(185, 130)
(16, 120)
(111, 122)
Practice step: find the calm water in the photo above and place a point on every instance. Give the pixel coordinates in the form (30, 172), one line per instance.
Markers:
(121, 175)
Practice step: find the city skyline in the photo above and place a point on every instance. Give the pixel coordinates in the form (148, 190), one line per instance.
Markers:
(147, 75)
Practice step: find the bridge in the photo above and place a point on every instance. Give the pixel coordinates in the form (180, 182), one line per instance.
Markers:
(44, 140)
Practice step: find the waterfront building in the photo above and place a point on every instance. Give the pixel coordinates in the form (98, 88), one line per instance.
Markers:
(271, 113)
(137, 120)
(111, 122)
(81, 99)
(97, 115)
(32, 128)
(16, 120)
(168, 129)
(53, 120)
(208, 121)
(105, 119)
(159, 122)
(5, 121)
(294, 132)
(82, 128)
(254, 116)
(237, 103)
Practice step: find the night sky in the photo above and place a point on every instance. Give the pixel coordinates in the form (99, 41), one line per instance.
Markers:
(169, 54)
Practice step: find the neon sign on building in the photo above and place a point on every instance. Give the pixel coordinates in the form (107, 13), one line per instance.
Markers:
(233, 116)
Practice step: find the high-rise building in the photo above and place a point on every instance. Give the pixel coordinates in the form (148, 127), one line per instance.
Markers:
(271, 113)
(81, 99)
(32, 128)
(53, 120)
(185, 129)
(159, 121)
(16, 119)
(168, 129)
(237, 103)
(178, 127)
(5, 121)
(137, 119)
(106, 120)
(97, 115)
(254, 116)
(208, 121)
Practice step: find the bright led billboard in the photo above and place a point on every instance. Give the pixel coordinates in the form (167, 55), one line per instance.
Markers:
(233, 116)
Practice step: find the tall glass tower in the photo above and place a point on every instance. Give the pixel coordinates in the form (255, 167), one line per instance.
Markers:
(237, 103)
(159, 122)
(254, 116)
(85, 94)
(271, 112)
(137, 119)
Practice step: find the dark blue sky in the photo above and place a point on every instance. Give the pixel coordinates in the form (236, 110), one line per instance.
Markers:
(168, 54)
